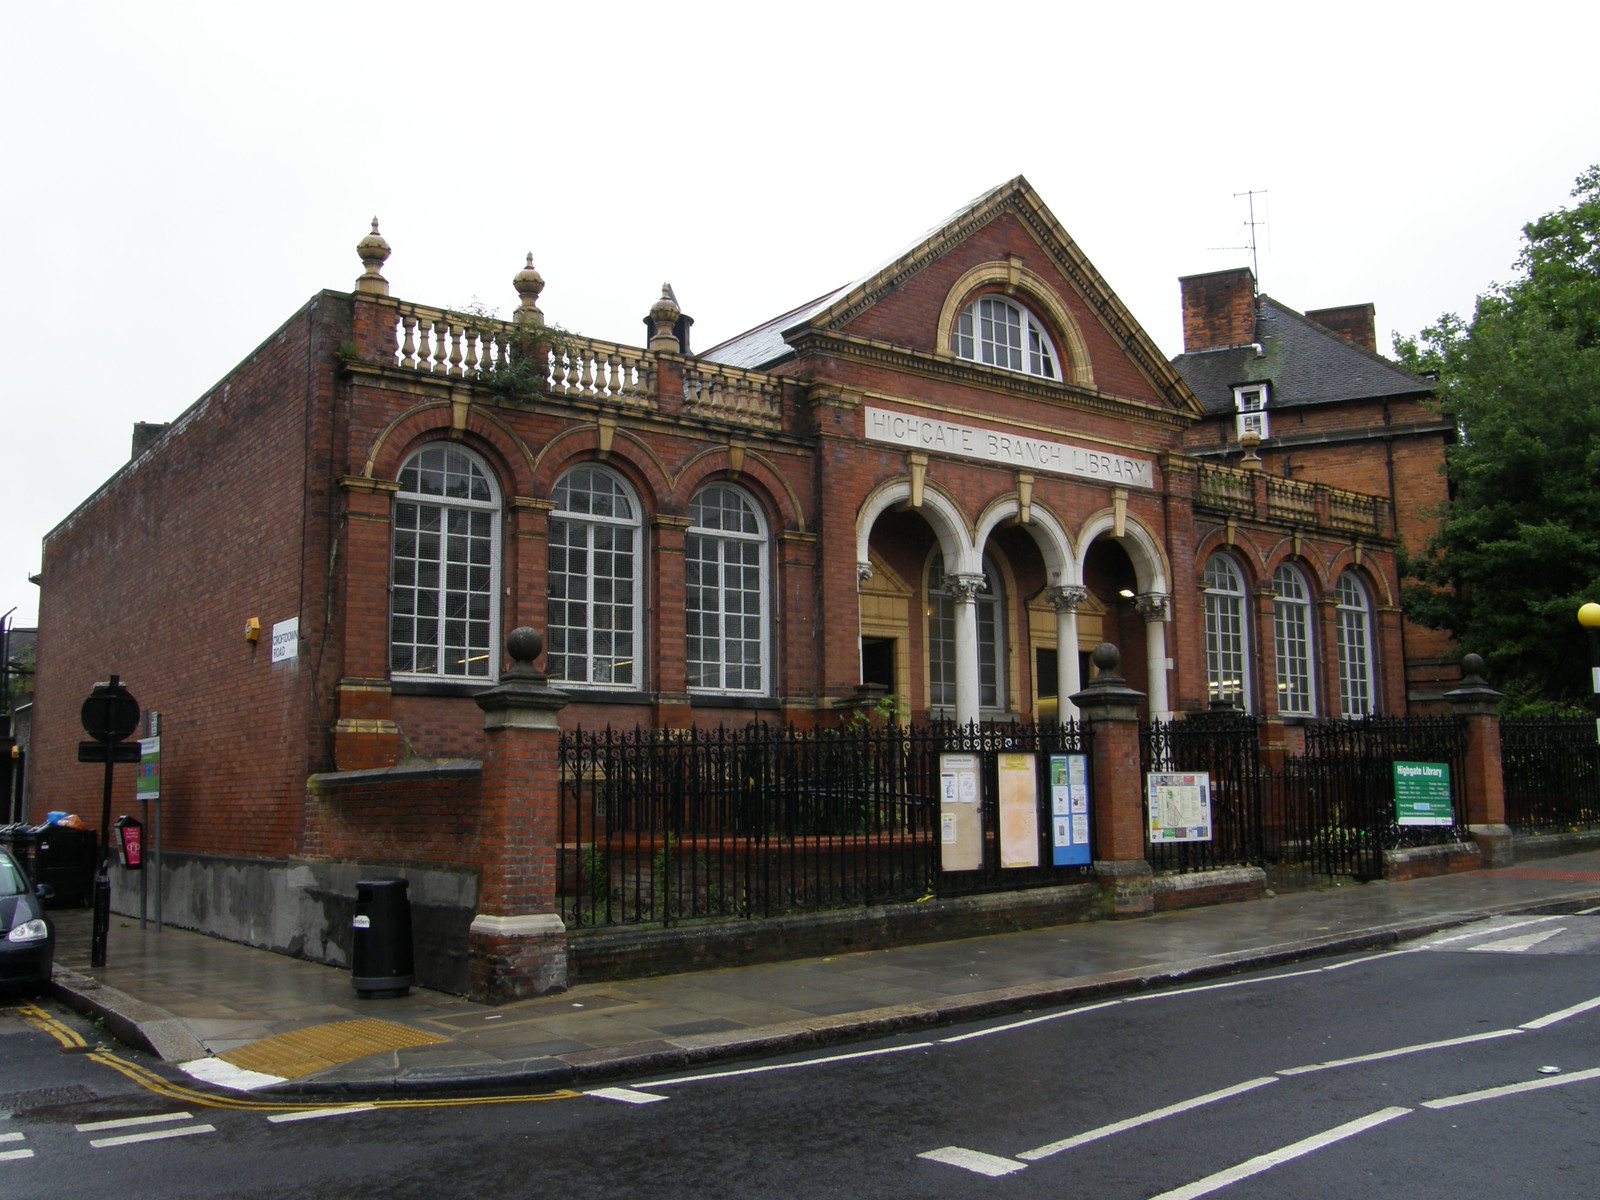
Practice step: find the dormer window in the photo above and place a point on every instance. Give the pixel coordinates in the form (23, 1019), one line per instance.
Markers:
(1250, 401)
(995, 331)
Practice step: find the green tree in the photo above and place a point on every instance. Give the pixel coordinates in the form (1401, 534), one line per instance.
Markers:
(1518, 548)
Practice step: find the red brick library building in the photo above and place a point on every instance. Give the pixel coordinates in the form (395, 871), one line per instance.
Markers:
(944, 483)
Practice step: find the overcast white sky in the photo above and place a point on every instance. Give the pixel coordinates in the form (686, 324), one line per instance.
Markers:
(180, 178)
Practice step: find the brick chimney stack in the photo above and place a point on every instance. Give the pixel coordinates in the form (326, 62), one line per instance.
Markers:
(1355, 323)
(1219, 309)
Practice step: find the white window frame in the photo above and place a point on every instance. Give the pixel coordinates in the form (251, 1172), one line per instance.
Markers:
(724, 565)
(1004, 334)
(1358, 685)
(1294, 639)
(447, 517)
(590, 612)
(1227, 632)
(942, 646)
(1250, 404)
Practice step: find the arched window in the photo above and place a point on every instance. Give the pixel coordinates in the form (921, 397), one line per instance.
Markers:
(1353, 616)
(993, 330)
(444, 606)
(942, 639)
(1227, 646)
(725, 592)
(596, 580)
(1291, 627)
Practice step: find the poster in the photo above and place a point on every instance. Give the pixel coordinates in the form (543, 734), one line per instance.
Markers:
(960, 814)
(1019, 810)
(1069, 810)
(1422, 794)
(147, 786)
(1178, 806)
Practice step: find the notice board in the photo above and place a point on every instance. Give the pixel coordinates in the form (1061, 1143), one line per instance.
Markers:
(960, 813)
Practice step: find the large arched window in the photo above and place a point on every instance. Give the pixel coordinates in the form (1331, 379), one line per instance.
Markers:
(993, 330)
(942, 639)
(444, 605)
(725, 591)
(1227, 644)
(1353, 617)
(596, 580)
(1292, 636)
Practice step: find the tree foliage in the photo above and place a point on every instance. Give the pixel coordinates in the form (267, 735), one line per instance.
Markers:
(1518, 549)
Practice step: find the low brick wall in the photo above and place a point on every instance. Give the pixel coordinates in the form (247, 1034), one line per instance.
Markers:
(1422, 862)
(631, 952)
(1199, 888)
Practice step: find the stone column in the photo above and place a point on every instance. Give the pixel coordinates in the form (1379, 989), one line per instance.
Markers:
(1153, 607)
(1116, 788)
(1066, 601)
(517, 943)
(1485, 784)
(964, 591)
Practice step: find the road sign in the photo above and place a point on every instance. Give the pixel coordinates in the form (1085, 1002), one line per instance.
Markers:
(121, 752)
(110, 713)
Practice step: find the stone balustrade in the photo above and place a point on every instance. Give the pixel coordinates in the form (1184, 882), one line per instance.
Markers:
(729, 394)
(468, 346)
(1288, 501)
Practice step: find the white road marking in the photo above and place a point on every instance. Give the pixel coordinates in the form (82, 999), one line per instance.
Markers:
(1478, 930)
(1562, 1014)
(1145, 1118)
(809, 1062)
(1276, 1158)
(131, 1122)
(1056, 1016)
(220, 1073)
(972, 1160)
(9, 1155)
(155, 1135)
(1399, 1051)
(1511, 1089)
(12, 1137)
(626, 1095)
(1516, 945)
(1165, 993)
(311, 1114)
(1371, 958)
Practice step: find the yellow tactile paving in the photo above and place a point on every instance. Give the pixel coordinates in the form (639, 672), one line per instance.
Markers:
(291, 1055)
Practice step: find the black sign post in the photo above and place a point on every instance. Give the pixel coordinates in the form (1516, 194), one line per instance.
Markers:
(109, 715)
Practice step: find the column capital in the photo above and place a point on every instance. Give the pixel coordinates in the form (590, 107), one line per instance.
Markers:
(1067, 597)
(1153, 606)
(965, 588)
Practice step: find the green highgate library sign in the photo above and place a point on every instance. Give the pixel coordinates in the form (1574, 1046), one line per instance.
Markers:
(1422, 794)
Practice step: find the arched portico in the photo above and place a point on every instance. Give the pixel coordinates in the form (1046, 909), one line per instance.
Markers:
(1152, 595)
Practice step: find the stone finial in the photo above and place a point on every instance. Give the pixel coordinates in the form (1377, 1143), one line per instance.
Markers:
(1108, 695)
(529, 283)
(524, 644)
(1474, 697)
(663, 319)
(374, 252)
(1251, 444)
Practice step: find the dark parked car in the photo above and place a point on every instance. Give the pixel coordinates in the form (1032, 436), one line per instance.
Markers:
(27, 938)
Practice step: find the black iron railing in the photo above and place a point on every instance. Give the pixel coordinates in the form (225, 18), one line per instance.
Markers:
(1339, 807)
(1225, 743)
(661, 826)
(1551, 768)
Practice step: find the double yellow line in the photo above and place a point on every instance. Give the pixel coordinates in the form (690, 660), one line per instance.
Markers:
(70, 1039)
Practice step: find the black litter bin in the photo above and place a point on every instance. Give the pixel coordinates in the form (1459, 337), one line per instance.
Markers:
(381, 963)
(65, 859)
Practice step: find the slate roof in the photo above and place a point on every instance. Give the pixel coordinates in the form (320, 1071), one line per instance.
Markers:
(764, 345)
(1303, 362)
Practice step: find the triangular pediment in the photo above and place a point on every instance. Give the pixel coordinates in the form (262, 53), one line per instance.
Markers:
(845, 310)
